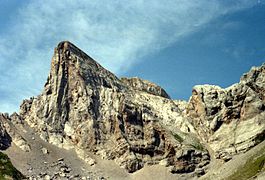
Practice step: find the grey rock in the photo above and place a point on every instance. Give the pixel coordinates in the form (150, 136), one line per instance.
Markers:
(5, 139)
(230, 120)
(44, 150)
(145, 86)
(84, 105)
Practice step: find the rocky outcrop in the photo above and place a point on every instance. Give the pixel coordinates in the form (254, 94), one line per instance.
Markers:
(5, 139)
(9, 132)
(84, 106)
(145, 86)
(230, 120)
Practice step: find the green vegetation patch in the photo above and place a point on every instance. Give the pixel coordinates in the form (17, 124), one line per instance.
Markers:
(178, 138)
(193, 142)
(7, 170)
(198, 146)
(253, 166)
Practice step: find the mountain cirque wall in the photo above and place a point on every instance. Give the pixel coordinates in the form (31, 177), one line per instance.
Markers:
(134, 122)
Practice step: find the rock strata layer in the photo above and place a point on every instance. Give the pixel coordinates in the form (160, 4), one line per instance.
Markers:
(230, 120)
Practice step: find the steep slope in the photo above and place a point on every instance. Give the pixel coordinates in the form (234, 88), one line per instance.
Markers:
(5, 139)
(248, 165)
(230, 120)
(7, 170)
(83, 106)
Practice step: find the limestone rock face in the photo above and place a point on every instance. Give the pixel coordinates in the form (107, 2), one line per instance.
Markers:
(5, 139)
(230, 120)
(145, 86)
(132, 121)
(9, 133)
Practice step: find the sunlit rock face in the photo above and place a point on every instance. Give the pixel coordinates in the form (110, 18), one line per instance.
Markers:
(230, 120)
(131, 121)
(9, 133)
(145, 86)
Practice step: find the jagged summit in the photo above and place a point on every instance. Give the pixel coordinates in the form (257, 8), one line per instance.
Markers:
(70, 61)
(70, 52)
(68, 47)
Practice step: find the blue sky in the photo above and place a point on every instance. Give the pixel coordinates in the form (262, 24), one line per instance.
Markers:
(177, 43)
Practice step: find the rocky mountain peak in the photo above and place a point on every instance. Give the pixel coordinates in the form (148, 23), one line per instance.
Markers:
(84, 105)
(69, 62)
(134, 122)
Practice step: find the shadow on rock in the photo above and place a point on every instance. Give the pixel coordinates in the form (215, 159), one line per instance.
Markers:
(5, 138)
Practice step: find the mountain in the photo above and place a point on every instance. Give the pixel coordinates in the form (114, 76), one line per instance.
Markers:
(92, 119)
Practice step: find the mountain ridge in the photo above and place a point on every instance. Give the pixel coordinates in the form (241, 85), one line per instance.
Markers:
(135, 123)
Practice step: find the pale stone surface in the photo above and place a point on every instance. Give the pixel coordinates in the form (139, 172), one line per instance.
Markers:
(44, 150)
(87, 109)
(11, 134)
(230, 120)
(145, 86)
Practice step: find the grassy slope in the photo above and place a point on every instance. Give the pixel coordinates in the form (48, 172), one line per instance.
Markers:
(242, 167)
(254, 165)
(7, 170)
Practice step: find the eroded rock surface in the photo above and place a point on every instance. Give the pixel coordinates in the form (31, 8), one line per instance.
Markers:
(131, 121)
(230, 120)
(9, 132)
(145, 86)
(5, 139)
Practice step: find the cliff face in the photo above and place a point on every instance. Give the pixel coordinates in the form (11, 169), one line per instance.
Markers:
(134, 122)
(230, 120)
(4, 137)
(84, 106)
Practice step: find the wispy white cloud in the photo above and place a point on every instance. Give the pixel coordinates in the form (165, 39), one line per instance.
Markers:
(116, 33)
